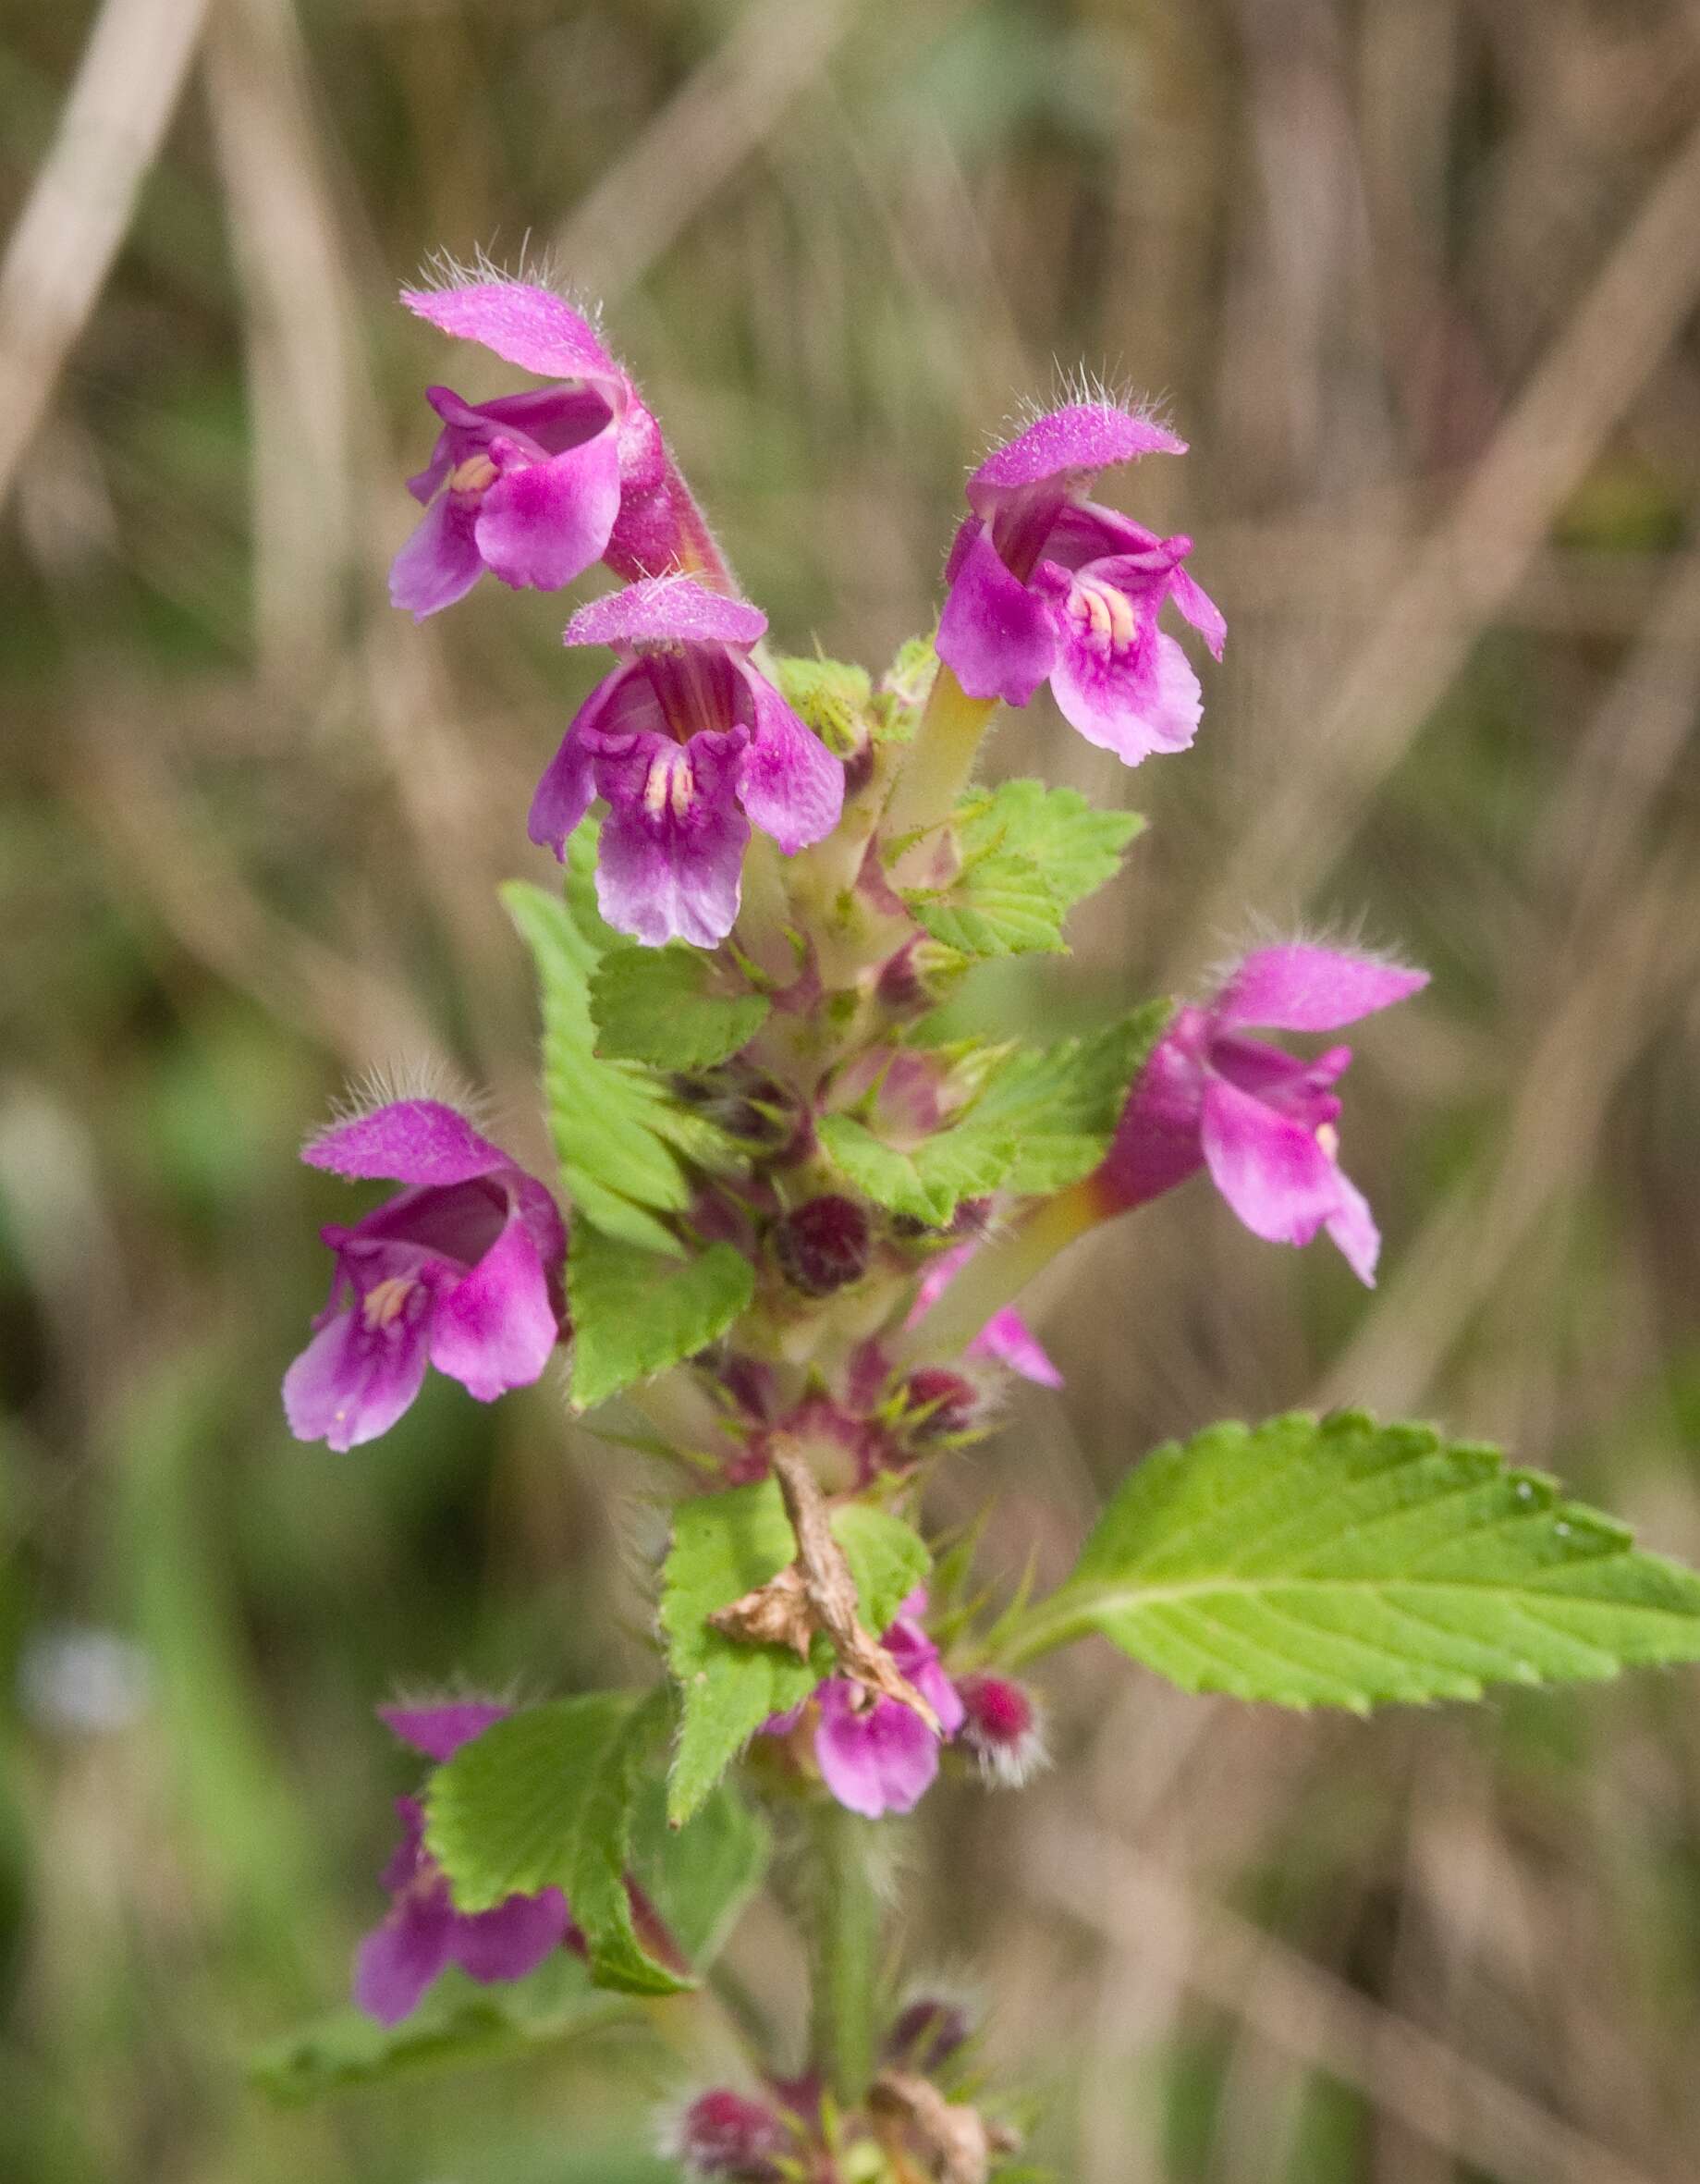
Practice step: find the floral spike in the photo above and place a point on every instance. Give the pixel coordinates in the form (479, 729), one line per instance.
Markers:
(807, 1203)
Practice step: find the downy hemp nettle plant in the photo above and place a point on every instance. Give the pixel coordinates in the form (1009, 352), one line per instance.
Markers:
(794, 1216)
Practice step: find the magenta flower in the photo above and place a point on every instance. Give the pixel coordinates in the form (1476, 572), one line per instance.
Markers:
(538, 485)
(1260, 1119)
(1046, 585)
(423, 1932)
(878, 1756)
(461, 1269)
(1006, 1338)
(689, 745)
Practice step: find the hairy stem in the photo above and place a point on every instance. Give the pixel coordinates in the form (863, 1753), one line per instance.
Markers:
(847, 1917)
(938, 767)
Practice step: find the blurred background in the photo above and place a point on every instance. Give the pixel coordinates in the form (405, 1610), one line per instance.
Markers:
(1418, 279)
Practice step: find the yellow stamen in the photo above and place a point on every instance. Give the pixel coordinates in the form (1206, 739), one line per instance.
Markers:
(382, 1306)
(669, 784)
(476, 474)
(1108, 613)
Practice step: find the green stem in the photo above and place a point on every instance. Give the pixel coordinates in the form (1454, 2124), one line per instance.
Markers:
(1059, 1621)
(997, 1274)
(764, 914)
(939, 761)
(848, 1916)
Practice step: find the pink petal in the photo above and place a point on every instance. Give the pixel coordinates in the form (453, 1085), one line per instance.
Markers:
(1135, 702)
(917, 1658)
(496, 1328)
(670, 863)
(1300, 987)
(1200, 609)
(1352, 1227)
(1271, 1170)
(396, 1965)
(563, 796)
(996, 635)
(416, 1141)
(789, 783)
(1292, 1086)
(1007, 1338)
(551, 419)
(1078, 437)
(351, 1382)
(439, 1731)
(453, 1223)
(941, 1272)
(440, 563)
(1158, 1142)
(543, 523)
(666, 610)
(880, 1761)
(528, 326)
(514, 1938)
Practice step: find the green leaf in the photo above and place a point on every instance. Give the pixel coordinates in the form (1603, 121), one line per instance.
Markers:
(624, 1142)
(635, 1313)
(544, 1799)
(1339, 1562)
(1076, 846)
(661, 1005)
(724, 1545)
(1042, 1120)
(1063, 1103)
(699, 1876)
(1028, 854)
(833, 697)
(928, 1181)
(459, 2023)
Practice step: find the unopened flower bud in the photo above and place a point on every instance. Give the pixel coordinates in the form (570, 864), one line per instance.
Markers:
(939, 1402)
(926, 2034)
(822, 1245)
(725, 2135)
(901, 990)
(1001, 1728)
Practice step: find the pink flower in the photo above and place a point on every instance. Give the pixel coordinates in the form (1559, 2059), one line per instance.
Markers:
(1260, 1121)
(881, 1757)
(1046, 585)
(536, 486)
(461, 1269)
(689, 746)
(423, 1933)
(1006, 1337)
